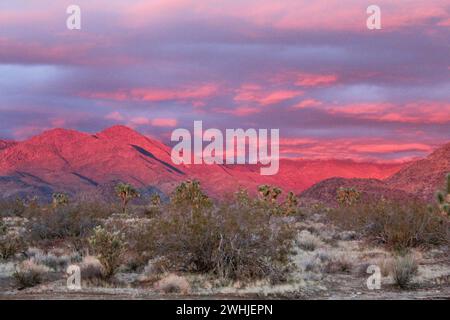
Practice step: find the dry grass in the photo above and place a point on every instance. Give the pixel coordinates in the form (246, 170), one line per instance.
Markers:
(403, 270)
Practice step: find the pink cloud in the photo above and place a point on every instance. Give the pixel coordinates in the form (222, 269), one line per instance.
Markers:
(117, 116)
(139, 121)
(156, 122)
(355, 148)
(257, 94)
(414, 112)
(157, 95)
(164, 122)
(307, 104)
(313, 80)
(304, 79)
(239, 111)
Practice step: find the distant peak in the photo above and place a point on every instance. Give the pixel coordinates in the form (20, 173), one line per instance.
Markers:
(56, 131)
(6, 144)
(120, 130)
(59, 133)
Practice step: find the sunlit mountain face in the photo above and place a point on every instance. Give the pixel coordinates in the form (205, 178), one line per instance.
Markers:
(77, 162)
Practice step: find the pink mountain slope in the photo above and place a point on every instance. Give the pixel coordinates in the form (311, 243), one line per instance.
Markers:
(418, 179)
(424, 177)
(72, 161)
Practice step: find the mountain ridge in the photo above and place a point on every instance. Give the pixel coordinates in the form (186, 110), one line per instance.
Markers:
(66, 160)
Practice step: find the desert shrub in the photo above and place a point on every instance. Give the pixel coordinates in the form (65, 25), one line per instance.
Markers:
(396, 225)
(108, 246)
(64, 223)
(235, 241)
(28, 274)
(173, 284)
(10, 246)
(11, 242)
(3, 228)
(443, 197)
(308, 241)
(91, 268)
(11, 208)
(338, 264)
(51, 260)
(403, 270)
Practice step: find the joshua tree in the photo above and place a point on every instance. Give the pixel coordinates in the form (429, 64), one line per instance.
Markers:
(269, 193)
(155, 200)
(189, 195)
(126, 193)
(347, 196)
(291, 204)
(444, 197)
(269, 199)
(60, 199)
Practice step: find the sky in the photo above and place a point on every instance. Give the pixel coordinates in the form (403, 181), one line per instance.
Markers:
(313, 69)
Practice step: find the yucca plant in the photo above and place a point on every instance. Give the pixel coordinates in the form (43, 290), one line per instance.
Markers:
(443, 197)
(126, 192)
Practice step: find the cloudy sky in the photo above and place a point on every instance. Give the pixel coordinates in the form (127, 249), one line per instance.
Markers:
(311, 68)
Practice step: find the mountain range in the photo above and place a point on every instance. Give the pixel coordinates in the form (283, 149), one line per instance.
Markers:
(63, 160)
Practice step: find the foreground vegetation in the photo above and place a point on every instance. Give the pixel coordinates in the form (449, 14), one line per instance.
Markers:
(271, 237)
